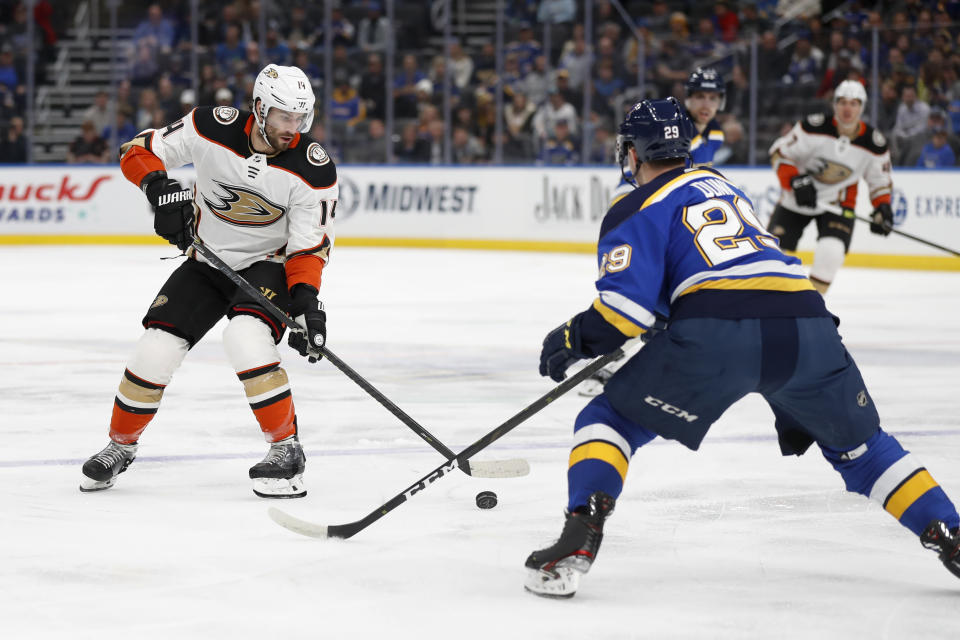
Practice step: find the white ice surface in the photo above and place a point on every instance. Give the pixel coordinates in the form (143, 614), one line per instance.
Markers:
(733, 541)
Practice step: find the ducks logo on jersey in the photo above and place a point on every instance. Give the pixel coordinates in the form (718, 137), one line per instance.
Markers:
(243, 207)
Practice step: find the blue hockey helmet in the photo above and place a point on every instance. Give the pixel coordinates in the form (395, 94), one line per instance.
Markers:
(707, 80)
(657, 129)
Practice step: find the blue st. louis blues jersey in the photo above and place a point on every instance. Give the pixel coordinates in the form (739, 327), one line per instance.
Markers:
(705, 145)
(688, 244)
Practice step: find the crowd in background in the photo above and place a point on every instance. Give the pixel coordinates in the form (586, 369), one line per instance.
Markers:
(805, 48)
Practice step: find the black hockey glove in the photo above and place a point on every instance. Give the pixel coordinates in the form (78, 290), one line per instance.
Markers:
(172, 210)
(804, 191)
(309, 313)
(561, 348)
(882, 219)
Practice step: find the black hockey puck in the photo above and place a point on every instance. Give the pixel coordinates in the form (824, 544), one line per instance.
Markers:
(486, 499)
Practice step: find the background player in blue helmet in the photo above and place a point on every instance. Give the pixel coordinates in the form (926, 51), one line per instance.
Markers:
(743, 317)
(706, 94)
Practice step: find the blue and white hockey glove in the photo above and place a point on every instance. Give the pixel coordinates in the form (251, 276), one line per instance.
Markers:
(309, 313)
(561, 348)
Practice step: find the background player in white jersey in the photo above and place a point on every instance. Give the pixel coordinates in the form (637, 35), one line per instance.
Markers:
(819, 165)
(706, 94)
(743, 318)
(264, 202)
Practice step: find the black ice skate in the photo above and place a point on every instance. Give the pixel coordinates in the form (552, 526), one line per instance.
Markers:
(280, 473)
(945, 542)
(102, 469)
(555, 572)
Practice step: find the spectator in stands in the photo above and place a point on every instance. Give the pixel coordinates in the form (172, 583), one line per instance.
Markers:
(425, 97)
(251, 58)
(843, 65)
(99, 112)
(144, 68)
(13, 143)
(373, 150)
(518, 116)
(674, 66)
(302, 60)
(188, 101)
(405, 87)
(347, 109)
(606, 90)
(679, 27)
(560, 148)
(910, 150)
(343, 60)
(373, 87)
(525, 48)
(411, 148)
(537, 81)
(561, 81)
(931, 85)
(88, 147)
(575, 57)
(8, 71)
(803, 70)
(145, 108)
(461, 65)
(344, 33)
(373, 32)
(887, 107)
(602, 150)
(937, 154)
(125, 128)
(465, 147)
(224, 98)
(231, 49)
(554, 110)
(156, 30)
(168, 98)
(278, 52)
(911, 115)
(735, 149)
(726, 21)
(751, 22)
(434, 139)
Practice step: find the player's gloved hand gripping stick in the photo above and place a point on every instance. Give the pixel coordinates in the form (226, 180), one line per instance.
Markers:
(312, 339)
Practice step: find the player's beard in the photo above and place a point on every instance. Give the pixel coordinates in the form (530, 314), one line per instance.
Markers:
(273, 139)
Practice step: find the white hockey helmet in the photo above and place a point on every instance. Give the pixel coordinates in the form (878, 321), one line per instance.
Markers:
(286, 88)
(852, 90)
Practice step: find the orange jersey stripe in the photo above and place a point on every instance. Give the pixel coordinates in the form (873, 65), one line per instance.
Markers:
(137, 163)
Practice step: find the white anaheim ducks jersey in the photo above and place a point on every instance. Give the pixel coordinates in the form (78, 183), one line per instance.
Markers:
(835, 162)
(250, 206)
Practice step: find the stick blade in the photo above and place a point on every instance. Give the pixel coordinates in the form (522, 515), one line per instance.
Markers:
(297, 525)
(512, 468)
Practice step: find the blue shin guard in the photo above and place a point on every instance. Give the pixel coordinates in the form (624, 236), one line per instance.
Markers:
(883, 471)
(604, 441)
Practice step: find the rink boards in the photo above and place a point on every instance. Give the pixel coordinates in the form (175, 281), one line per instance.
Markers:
(513, 208)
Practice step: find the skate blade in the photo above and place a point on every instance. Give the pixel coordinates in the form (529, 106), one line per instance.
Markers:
(88, 485)
(561, 582)
(280, 487)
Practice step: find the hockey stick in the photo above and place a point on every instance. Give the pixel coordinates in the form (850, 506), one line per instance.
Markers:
(512, 468)
(913, 237)
(352, 528)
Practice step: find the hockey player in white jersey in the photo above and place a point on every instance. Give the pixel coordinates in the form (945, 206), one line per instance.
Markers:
(819, 164)
(264, 201)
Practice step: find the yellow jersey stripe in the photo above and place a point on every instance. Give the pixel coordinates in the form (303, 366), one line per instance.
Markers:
(603, 451)
(764, 283)
(909, 492)
(624, 325)
(679, 181)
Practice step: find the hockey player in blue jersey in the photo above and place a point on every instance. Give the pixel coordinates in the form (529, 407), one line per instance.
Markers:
(743, 317)
(706, 94)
